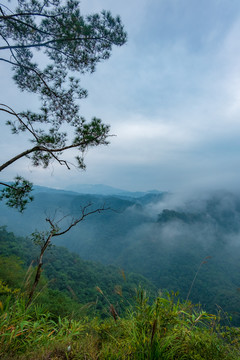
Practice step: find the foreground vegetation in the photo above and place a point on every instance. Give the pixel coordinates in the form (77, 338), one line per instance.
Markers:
(83, 310)
(165, 329)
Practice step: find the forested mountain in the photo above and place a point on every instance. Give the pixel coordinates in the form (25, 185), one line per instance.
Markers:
(67, 280)
(165, 240)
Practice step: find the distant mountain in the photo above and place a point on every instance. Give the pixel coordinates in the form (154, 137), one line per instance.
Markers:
(44, 189)
(100, 189)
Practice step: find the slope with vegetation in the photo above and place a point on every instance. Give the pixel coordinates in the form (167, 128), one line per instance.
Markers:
(165, 329)
(84, 310)
(69, 283)
(166, 246)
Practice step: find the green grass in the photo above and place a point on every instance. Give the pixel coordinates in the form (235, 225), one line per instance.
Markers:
(165, 329)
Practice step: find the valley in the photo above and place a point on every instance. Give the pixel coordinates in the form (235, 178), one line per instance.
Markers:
(156, 235)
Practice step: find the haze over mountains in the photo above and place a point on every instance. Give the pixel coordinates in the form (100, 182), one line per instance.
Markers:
(164, 237)
(100, 189)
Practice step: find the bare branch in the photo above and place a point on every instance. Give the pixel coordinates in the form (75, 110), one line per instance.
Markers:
(44, 148)
(39, 270)
(84, 214)
(54, 232)
(17, 63)
(34, 28)
(60, 40)
(6, 17)
(9, 62)
(11, 51)
(62, 218)
(61, 162)
(7, 185)
(17, 157)
(12, 112)
(2, 5)
(50, 222)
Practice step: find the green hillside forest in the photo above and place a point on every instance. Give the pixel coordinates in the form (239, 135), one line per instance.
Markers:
(84, 310)
(131, 294)
(153, 236)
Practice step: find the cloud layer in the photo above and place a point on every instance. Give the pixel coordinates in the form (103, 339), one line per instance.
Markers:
(171, 95)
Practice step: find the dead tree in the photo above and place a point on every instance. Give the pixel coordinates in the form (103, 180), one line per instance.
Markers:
(45, 239)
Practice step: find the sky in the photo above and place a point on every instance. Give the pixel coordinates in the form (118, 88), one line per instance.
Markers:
(171, 96)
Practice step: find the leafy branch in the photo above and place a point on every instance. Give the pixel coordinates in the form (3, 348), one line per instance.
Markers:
(71, 44)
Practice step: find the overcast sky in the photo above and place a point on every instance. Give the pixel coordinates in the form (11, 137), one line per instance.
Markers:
(171, 95)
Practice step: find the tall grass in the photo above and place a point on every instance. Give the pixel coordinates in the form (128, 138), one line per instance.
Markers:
(166, 329)
(23, 328)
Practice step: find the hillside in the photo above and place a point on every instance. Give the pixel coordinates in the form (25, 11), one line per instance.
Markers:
(67, 278)
(164, 240)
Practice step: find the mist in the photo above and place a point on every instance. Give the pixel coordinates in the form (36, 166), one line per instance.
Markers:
(166, 237)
